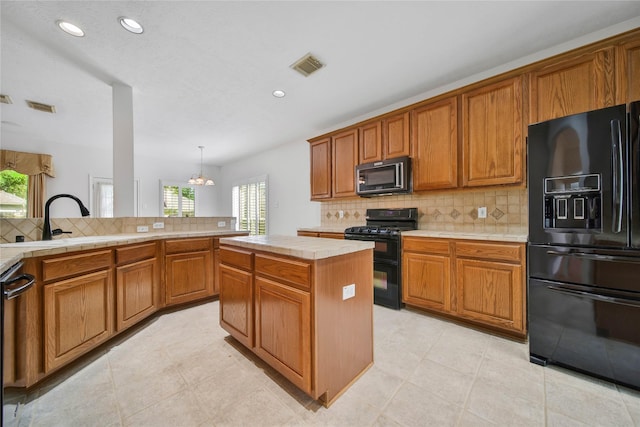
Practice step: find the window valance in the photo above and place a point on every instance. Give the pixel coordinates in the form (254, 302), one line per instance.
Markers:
(27, 163)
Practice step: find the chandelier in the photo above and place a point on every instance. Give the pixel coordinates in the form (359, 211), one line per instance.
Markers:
(200, 179)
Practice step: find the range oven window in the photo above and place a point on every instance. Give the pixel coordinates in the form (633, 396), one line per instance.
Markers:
(380, 280)
(381, 246)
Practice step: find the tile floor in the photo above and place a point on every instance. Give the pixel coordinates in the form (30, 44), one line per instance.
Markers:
(181, 370)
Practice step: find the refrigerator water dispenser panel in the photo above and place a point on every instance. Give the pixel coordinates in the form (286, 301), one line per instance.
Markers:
(573, 202)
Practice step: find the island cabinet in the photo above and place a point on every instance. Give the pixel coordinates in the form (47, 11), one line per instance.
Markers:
(291, 312)
(189, 269)
(493, 134)
(435, 145)
(78, 305)
(137, 283)
(476, 281)
(572, 85)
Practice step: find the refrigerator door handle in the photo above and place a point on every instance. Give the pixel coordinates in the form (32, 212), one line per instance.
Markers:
(618, 176)
(596, 257)
(595, 297)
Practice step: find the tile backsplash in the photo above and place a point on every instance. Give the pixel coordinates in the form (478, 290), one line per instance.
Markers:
(442, 211)
(31, 228)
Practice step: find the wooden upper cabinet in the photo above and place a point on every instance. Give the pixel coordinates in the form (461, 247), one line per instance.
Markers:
(574, 86)
(395, 136)
(492, 134)
(370, 142)
(435, 145)
(628, 72)
(345, 159)
(321, 169)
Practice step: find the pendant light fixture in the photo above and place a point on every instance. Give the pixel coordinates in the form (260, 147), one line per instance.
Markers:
(200, 179)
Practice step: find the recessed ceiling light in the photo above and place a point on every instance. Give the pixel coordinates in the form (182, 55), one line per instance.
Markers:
(70, 28)
(131, 25)
(279, 93)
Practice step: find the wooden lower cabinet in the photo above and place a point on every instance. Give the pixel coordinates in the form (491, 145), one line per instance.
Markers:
(78, 315)
(189, 269)
(290, 312)
(283, 330)
(137, 292)
(429, 282)
(236, 303)
(481, 282)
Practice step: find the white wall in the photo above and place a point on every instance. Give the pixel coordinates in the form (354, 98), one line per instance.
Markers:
(287, 168)
(74, 164)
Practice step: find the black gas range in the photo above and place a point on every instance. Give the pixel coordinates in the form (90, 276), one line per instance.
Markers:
(384, 227)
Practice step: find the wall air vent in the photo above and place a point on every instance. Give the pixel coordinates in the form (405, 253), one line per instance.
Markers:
(307, 65)
(5, 99)
(41, 107)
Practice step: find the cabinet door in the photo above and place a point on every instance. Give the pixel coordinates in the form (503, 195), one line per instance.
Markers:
(189, 277)
(216, 272)
(492, 128)
(426, 280)
(283, 330)
(345, 158)
(236, 303)
(574, 86)
(628, 72)
(435, 145)
(370, 142)
(137, 292)
(78, 315)
(320, 169)
(395, 136)
(491, 292)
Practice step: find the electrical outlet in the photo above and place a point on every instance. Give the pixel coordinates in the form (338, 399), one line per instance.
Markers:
(341, 214)
(222, 223)
(482, 212)
(158, 225)
(142, 228)
(348, 291)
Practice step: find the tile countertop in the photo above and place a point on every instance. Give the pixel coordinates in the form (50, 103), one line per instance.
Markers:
(301, 247)
(518, 238)
(10, 253)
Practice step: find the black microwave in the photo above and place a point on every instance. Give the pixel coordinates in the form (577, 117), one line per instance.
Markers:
(391, 176)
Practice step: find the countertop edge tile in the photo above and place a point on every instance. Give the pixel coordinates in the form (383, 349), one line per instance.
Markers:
(11, 253)
(311, 248)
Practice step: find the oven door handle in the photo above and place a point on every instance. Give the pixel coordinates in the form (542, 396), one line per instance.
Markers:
(596, 257)
(595, 297)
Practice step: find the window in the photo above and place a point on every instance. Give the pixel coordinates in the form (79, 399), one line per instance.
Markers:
(102, 204)
(13, 194)
(250, 206)
(178, 200)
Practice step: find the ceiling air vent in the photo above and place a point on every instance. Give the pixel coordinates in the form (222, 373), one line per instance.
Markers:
(5, 99)
(41, 107)
(307, 65)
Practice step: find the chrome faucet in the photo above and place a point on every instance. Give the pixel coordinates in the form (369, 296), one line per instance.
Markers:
(46, 227)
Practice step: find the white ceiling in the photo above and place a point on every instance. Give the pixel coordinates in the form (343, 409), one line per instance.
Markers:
(202, 73)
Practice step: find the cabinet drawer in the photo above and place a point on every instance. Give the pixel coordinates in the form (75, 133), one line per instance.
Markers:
(130, 254)
(296, 272)
(187, 245)
(425, 244)
(236, 258)
(72, 265)
(496, 251)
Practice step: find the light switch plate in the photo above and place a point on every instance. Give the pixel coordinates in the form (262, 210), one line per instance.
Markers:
(158, 225)
(142, 228)
(348, 291)
(222, 223)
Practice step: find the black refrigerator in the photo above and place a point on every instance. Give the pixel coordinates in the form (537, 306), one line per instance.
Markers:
(584, 243)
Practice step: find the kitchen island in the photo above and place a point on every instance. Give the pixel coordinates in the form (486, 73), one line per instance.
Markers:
(304, 305)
